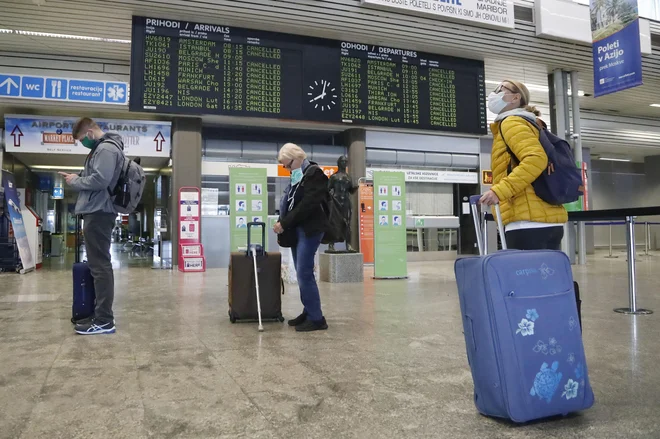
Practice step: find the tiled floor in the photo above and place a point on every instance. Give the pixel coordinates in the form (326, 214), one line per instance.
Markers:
(392, 365)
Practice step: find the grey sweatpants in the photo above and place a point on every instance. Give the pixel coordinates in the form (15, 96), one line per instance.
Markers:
(97, 231)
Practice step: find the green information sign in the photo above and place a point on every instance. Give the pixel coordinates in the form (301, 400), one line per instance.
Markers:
(248, 202)
(575, 206)
(390, 258)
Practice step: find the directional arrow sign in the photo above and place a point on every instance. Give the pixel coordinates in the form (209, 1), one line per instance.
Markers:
(17, 134)
(9, 85)
(159, 139)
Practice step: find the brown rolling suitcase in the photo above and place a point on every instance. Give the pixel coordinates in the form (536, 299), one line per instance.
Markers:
(244, 287)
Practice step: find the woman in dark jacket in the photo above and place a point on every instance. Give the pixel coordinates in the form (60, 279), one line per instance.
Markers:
(303, 222)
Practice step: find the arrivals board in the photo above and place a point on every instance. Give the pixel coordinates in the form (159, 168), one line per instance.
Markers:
(183, 67)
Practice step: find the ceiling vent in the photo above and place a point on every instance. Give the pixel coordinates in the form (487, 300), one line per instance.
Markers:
(523, 13)
(655, 40)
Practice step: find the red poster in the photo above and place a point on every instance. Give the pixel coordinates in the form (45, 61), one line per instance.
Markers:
(191, 251)
(189, 216)
(366, 219)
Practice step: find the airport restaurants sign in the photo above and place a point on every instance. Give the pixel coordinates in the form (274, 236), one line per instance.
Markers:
(52, 135)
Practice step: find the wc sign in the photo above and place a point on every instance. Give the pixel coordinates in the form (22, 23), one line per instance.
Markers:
(33, 87)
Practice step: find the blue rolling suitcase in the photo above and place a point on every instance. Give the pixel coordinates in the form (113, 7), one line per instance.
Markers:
(522, 332)
(84, 294)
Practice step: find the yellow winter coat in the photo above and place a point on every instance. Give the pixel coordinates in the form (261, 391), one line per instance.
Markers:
(518, 201)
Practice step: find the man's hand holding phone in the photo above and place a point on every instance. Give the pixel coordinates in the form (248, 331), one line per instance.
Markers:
(68, 177)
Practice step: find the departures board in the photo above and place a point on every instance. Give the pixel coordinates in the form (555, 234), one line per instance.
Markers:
(183, 67)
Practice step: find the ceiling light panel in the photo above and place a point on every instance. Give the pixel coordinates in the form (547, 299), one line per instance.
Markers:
(28, 33)
(612, 159)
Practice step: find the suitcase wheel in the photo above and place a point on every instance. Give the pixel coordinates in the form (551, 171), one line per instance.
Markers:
(281, 318)
(231, 317)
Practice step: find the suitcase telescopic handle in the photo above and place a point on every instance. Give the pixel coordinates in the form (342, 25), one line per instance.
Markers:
(478, 221)
(249, 233)
(77, 240)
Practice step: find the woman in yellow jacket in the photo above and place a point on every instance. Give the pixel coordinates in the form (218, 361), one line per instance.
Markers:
(530, 223)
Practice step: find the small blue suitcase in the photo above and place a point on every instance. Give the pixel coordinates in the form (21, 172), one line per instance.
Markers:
(84, 294)
(522, 332)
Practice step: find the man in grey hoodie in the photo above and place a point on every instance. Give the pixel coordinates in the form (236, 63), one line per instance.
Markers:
(101, 172)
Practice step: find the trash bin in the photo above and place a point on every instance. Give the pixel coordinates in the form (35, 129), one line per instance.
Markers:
(46, 243)
(56, 245)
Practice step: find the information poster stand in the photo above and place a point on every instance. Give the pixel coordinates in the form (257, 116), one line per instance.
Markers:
(248, 202)
(17, 222)
(191, 251)
(366, 213)
(390, 249)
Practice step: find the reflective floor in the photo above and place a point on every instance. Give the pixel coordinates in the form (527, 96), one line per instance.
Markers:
(392, 364)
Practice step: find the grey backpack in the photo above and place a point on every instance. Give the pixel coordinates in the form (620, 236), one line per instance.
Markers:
(130, 185)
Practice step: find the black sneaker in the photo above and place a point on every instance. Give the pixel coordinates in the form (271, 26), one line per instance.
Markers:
(298, 320)
(310, 325)
(86, 321)
(95, 328)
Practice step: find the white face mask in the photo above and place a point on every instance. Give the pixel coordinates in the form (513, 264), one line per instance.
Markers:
(496, 102)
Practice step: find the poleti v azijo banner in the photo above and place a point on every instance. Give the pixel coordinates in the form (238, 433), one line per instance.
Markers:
(617, 52)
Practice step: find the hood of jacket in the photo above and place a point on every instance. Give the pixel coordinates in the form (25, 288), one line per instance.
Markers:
(114, 137)
(521, 112)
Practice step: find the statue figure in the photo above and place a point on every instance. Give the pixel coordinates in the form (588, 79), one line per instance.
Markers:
(341, 187)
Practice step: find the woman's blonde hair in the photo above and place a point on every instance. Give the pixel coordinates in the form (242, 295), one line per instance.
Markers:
(291, 151)
(523, 91)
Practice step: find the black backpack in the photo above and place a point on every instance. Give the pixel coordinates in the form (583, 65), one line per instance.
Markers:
(335, 231)
(127, 193)
(562, 182)
(337, 226)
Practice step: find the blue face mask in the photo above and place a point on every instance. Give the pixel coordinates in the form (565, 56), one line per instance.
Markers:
(296, 176)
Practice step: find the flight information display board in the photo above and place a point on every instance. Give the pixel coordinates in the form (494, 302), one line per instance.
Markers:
(183, 67)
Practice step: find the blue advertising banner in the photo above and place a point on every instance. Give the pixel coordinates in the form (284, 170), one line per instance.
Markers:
(617, 51)
(52, 135)
(16, 217)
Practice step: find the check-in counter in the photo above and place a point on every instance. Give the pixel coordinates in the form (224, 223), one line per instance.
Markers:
(434, 224)
(215, 235)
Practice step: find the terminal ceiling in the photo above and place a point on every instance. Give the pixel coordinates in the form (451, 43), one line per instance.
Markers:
(516, 54)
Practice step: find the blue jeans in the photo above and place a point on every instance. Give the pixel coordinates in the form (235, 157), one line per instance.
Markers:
(303, 258)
